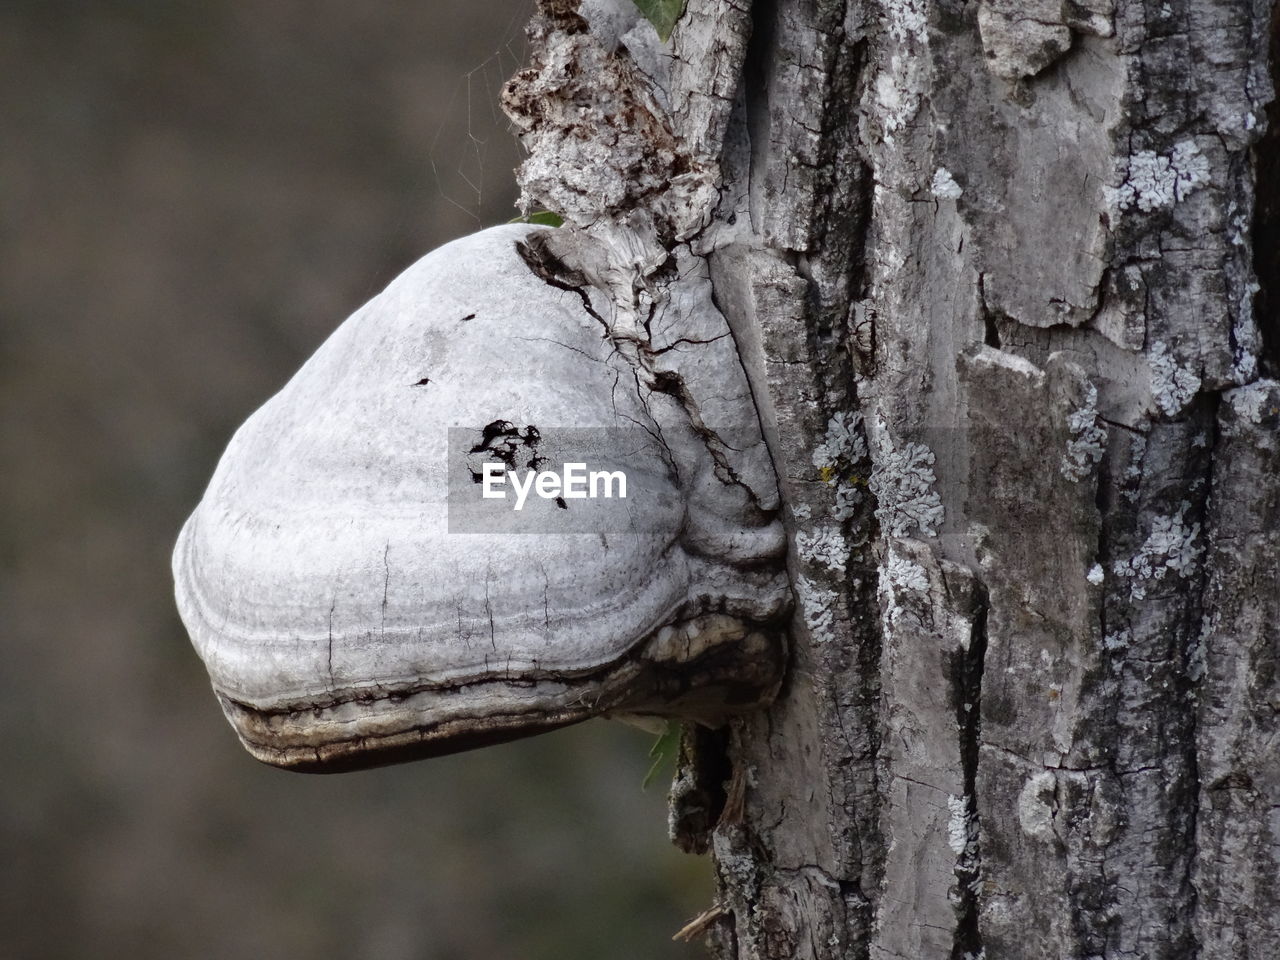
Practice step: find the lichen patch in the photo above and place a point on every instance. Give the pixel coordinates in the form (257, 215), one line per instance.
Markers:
(1156, 181)
(1088, 440)
(1172, 385)
(1171, 547)
(902, 480)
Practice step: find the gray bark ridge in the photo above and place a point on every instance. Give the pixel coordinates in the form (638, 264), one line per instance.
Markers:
(990, 269)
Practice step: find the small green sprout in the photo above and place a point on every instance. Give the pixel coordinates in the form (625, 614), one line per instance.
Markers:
(542, 218)
(664, 752)
(663, 14)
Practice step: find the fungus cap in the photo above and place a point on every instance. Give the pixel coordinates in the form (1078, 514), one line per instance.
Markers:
(348, 616)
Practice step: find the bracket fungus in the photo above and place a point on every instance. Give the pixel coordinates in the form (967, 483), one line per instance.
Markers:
(358, 602)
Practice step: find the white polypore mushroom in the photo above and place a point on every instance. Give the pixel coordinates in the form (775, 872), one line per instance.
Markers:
(348, 614)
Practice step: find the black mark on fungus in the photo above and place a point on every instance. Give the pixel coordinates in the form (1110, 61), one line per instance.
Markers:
(503, 439)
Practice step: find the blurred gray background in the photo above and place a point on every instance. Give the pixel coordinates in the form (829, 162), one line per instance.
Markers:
(192, 195)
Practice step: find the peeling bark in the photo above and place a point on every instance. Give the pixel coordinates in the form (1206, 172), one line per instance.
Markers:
(992, 271)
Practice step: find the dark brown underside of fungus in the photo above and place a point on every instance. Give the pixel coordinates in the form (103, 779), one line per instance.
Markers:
(316, 737)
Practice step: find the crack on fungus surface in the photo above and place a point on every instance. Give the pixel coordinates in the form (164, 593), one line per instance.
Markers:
(549, 268)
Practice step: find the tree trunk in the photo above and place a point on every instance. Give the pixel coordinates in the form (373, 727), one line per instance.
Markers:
(993, 270)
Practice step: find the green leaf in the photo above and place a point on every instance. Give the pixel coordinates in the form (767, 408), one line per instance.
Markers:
(663, 752)
(663, 14)
(543, 218)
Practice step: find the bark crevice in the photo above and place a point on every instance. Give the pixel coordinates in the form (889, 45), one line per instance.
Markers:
(968, 665)
(1266, 222)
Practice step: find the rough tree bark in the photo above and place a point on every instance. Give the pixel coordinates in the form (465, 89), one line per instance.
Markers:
(999, 273)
